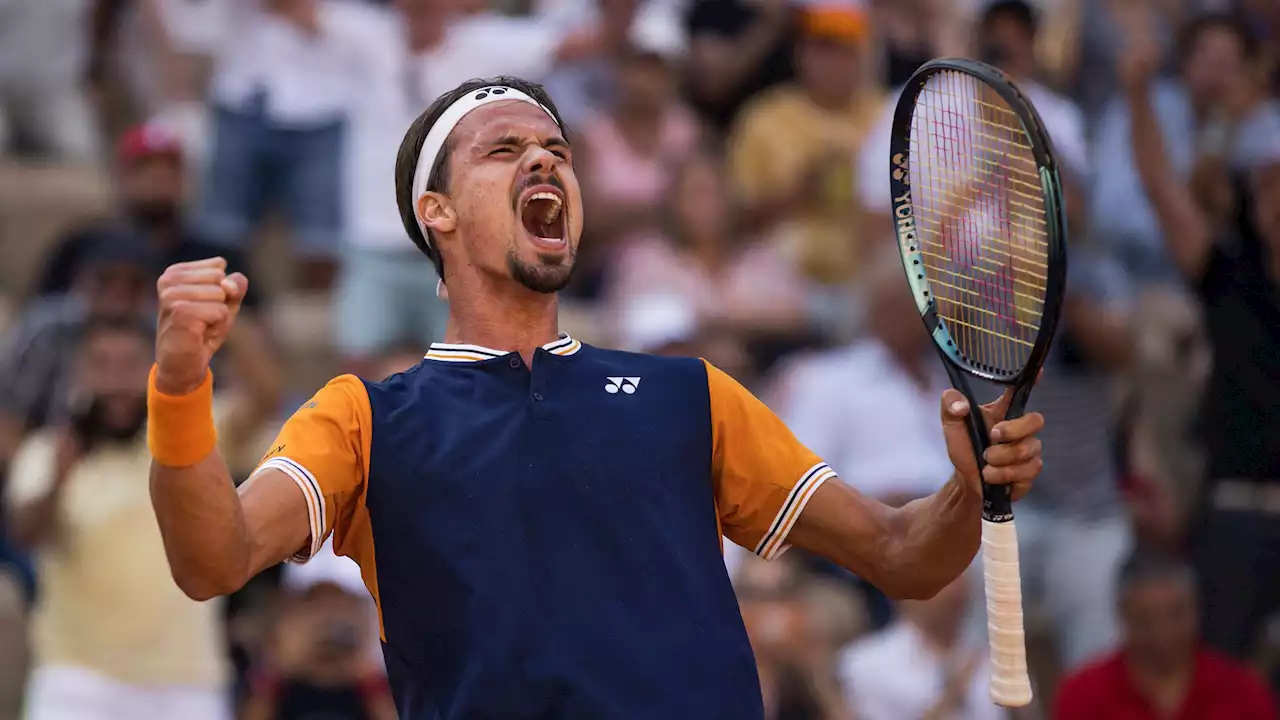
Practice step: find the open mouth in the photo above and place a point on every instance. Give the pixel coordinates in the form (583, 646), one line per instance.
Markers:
(543, 217)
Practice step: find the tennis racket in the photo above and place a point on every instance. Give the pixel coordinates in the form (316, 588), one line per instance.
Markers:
(977, 203)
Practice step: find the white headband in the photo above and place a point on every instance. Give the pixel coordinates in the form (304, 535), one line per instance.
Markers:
(439, 133)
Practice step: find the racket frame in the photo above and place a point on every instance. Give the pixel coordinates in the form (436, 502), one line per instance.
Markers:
(997, 502)
(1010, 682)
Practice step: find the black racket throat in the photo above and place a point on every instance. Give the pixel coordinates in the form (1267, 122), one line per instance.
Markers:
(997, 500)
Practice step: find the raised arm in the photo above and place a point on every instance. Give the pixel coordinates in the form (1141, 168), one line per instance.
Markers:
(217, 537)
(1184, 226)
(772, 493)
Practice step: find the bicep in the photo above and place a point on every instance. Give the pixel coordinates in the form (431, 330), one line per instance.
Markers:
(277, 518)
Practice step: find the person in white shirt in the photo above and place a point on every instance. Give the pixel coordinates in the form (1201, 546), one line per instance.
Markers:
(112, 635)
(408, 53)
(921, 666)
(871, 407)
(278, 125)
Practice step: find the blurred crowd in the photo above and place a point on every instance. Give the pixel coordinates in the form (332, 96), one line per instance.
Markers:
(733, 155)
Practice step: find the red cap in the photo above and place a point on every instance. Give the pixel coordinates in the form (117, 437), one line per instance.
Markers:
(147, 140)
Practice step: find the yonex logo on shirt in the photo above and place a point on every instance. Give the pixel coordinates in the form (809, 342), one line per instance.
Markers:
(627, 385)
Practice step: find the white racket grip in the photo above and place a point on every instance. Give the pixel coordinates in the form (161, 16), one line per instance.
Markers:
(1010, 685)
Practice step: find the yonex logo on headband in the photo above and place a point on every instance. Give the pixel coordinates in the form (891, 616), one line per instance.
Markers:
(434, 143)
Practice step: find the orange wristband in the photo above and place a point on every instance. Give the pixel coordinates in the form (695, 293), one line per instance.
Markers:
(180, 430)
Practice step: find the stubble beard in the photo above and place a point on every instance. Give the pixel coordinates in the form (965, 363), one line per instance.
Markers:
(545, 275)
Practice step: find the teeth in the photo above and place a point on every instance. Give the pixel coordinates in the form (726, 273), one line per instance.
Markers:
(553, 211)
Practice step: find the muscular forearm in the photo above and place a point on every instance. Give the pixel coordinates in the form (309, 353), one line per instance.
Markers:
(203, 525)
(931, 541)
(910, 552)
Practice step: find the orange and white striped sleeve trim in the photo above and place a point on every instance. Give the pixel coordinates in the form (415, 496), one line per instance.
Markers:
(763, 475)
(324, 449)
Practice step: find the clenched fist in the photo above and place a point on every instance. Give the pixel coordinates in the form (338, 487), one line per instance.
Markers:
(199, 302)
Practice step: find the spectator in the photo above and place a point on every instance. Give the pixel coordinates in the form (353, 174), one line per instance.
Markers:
(113, 636)
(728, 282)
(321, 661)
(628, 153)
(791, 151)
(913, 32)
(588, 84)
(114, 283)
(737, 49)
(43, 60)
(1095, 83)
(279, 104)
(152, 181)
(1161, 671)
(777, 615)
(883, 439)
(920, 667)
(1232, 267)
(1194, 115)
(1006, 37)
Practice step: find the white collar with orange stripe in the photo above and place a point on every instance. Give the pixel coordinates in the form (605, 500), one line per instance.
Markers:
(446, 352)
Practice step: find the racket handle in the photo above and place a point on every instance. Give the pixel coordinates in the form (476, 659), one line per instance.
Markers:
(1010, 684)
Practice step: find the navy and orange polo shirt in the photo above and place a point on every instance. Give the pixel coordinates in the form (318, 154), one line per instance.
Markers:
(545, 541)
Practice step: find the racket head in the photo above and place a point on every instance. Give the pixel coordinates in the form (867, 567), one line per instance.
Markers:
(991, 319)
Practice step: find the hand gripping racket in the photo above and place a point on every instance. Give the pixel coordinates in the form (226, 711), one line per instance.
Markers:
(978, 207)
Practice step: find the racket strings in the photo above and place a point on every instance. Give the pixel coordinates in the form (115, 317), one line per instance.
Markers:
(981, 220)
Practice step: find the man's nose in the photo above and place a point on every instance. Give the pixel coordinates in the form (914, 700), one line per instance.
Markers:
(540, 160)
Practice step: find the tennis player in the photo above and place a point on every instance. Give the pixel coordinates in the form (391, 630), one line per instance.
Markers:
(538, 520)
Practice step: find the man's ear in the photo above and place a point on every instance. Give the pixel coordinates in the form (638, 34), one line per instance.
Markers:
(436, 212)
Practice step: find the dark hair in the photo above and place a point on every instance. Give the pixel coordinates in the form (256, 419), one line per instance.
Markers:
(1145, 565)
(416, 135)
(1018, 11)
(1191, 33)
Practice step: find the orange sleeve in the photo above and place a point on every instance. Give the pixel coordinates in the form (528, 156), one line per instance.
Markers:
(763, 475)
(324, 449)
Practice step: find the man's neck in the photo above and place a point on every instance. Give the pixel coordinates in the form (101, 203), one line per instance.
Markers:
(501, 318)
